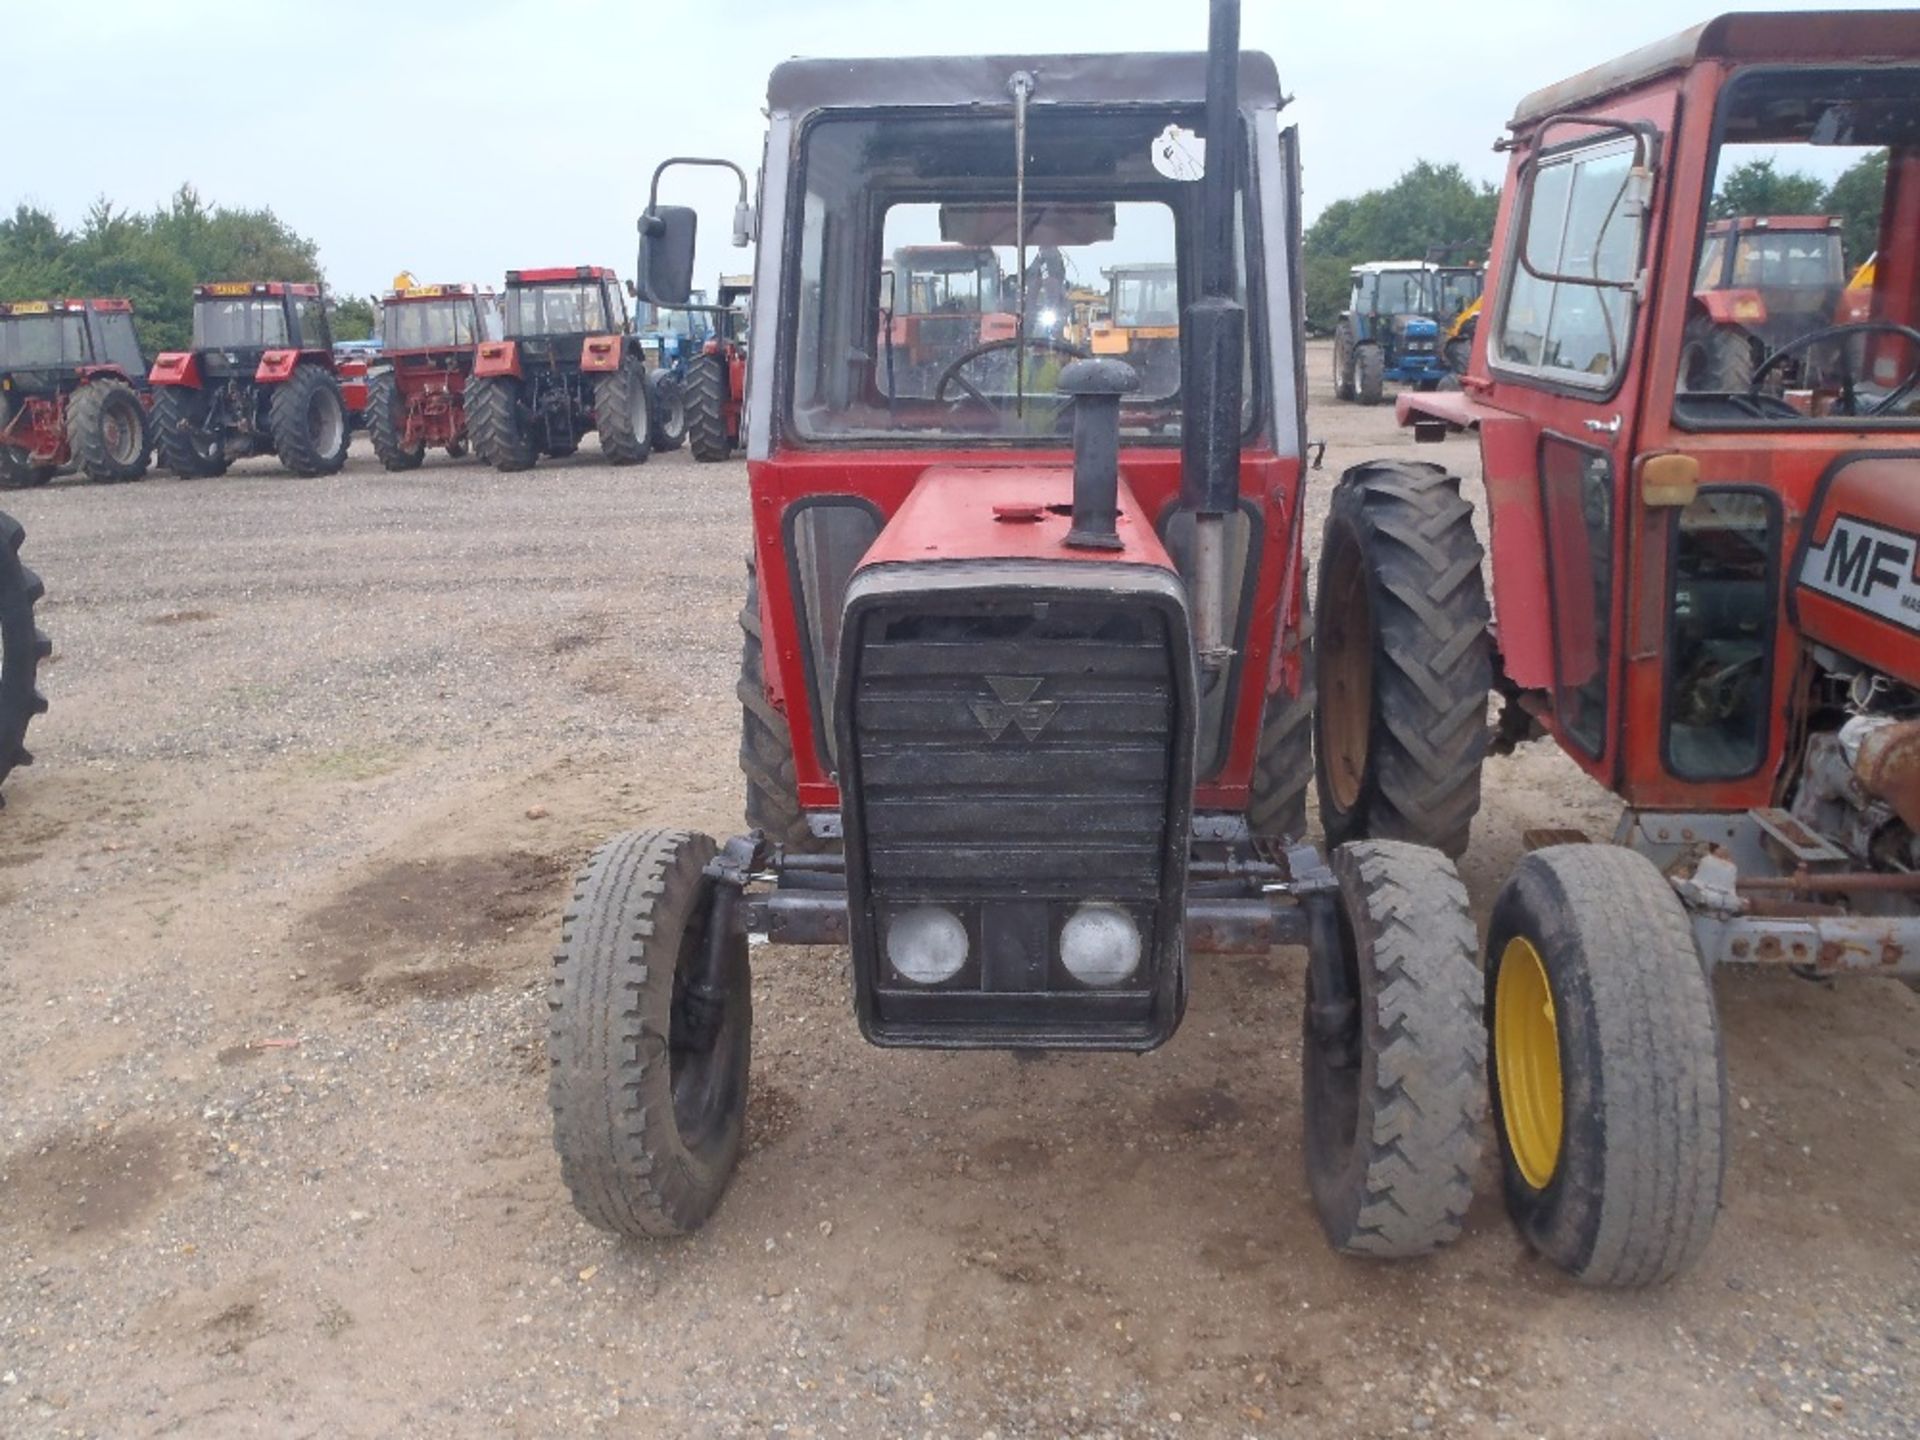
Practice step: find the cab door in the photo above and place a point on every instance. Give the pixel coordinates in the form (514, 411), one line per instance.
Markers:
(1566, 331)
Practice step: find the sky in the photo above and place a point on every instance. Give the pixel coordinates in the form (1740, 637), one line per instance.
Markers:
(457, 141)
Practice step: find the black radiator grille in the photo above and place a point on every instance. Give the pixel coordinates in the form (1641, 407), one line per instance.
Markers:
(1015, 751)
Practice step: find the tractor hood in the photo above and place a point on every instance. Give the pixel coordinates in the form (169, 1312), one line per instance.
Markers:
(1415, 327)
(1856, 576)
(969, 513)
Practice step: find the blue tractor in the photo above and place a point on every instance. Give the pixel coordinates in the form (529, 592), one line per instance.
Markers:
(671, 338)
(1390, 330)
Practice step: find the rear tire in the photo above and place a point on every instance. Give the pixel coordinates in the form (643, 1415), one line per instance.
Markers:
(175, 421)
(648, 1126)
(1608, 1079)
(18, 473)
(1716, 359)
(387, 424)
(22, 648)
(668, 408)
(1370, 368)
(766, 745)
(107, 431)
(1393, 1089)
(1283, 761)
(622, 412)
(1405, 663)
(707, 391)
(1343, 363)
(494, 425)
(308, 421)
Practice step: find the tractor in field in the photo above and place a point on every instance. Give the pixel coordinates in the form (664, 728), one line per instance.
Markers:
(716, 384)
(1025, 676)
(1762, 281)
(1390, 331)
(566, 366)
(416, 397)
(259, 380)
(22, 647)
(1709, 598)
(71, 376)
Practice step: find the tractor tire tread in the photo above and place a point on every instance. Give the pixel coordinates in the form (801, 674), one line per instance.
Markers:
(706, 393)
(386, 423)
(86, 431)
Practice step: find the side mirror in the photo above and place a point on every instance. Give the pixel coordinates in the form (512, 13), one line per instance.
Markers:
(666, 253)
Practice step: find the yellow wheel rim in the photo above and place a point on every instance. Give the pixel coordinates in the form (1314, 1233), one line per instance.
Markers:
(1526, 1049)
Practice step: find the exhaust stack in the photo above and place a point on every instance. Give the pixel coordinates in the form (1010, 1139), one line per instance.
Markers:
(1096, 387)
(1212, 342)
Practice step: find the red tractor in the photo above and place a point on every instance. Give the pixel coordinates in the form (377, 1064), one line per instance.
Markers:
(1025, 675)
(259, 380)
(22, 648)
(417, 400)
(716, 387)
(70, 378)
(568, 364)
(1763, 280)
(1708, 597)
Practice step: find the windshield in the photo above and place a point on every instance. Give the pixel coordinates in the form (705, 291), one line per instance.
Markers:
(427, 324)
(1142, 298)
(225, 324)
(1402, 292)
(32, 342)
(1793, 324)
(557, 310)
(918, 314)
(1455, 291)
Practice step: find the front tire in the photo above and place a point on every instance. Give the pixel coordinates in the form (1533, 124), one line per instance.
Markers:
(648, 1122)
(387, 424)
(1405, 662)
(107, 431)
(494, 426)
(1716, 359)
(308, 421)
(622, 412)
(1343, 363)
(1393, 1085)
(176, 421)
(669, 410)
(22, 648)
(1609, 1083)
(707, 392)
(1370, 370)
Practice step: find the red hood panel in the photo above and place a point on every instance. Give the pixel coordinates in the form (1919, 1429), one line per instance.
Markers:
(1857, 580)
(965, 512)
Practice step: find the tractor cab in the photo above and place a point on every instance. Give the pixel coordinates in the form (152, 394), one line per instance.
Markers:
(1701, 453)
(420, 320)
(1142, 320)
(236, 323)
(43, 342)
(1391, 329)
(70, 376)
(1023, 672)
(550, 313)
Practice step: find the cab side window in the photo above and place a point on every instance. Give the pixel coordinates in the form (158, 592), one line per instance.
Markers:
(1562, 319)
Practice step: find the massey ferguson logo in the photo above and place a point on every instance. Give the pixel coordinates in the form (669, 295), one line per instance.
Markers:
(1868, 568)
(1014, 705)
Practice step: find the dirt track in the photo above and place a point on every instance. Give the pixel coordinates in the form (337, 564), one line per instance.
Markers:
(275, 913)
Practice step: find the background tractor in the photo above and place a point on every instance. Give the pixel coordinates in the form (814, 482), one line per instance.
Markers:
(716, 385)
(567, 365)
(71, 374)
(1763, 280)
(1390, 331)
(1708, 597)
(259, 380)
(1025, 675)
(416, 399)
(1142, 323)
(22, 648)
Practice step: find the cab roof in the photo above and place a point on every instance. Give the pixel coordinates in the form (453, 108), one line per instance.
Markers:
(1744, 223)
(1377, 267)
(431, 292)
(1741, 37)
(68, 306)
(221, 289)
(797, 86)
(559, 275)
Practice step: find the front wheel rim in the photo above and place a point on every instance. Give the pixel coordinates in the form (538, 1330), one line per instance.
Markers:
(122, 434)
(1526, 1048)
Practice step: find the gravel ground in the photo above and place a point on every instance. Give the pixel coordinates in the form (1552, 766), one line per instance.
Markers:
(275, 912)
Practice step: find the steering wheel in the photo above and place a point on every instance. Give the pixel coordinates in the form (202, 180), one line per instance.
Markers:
(952, 376)
(1841, 332)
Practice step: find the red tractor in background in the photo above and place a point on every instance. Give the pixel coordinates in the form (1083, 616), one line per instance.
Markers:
(566, 365)
(259, 380)
(71, 374)
(417, 399)
(1707, 592)
(1762, 281)
(1024, 681)
(716, 387)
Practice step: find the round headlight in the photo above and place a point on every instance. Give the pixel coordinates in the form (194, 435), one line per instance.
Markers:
(1100, 945)
(927, 944)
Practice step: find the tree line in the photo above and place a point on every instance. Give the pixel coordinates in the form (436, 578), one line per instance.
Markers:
(155, 259)
(1436, 205)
